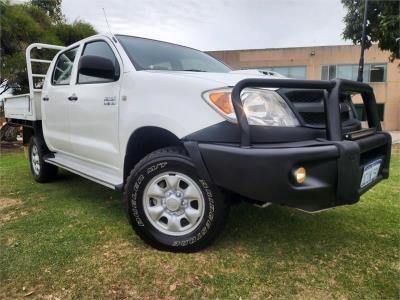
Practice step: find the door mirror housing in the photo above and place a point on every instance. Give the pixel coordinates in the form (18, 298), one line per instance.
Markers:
(97, 66)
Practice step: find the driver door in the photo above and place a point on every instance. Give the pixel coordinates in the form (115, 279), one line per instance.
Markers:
(94, 113)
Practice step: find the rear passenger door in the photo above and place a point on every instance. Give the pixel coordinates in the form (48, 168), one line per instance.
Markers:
(55, 102)
(94, 113)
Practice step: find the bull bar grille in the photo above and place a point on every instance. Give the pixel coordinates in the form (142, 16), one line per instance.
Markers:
(309, 104)
(332, 95)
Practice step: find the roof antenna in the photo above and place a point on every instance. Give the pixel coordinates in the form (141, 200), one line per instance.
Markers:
(108, 25)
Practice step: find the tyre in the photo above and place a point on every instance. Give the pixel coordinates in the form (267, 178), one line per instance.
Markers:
(169, 206)
(41, 171)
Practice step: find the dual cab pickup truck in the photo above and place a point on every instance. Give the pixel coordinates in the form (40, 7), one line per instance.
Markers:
(177, 130)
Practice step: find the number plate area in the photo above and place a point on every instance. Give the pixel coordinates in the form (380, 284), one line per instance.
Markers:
(370, 172)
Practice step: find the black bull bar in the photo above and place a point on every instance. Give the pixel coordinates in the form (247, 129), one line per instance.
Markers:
(332, 91)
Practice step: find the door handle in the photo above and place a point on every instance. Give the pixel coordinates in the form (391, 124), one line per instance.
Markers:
(46, 98)
(72, 98)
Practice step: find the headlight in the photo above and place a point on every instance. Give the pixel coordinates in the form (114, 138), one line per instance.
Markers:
(262, 107)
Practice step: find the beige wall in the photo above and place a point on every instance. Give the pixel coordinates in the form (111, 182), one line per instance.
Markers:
(313, 57)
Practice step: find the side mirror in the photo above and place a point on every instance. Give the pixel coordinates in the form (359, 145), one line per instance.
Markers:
(97, 66)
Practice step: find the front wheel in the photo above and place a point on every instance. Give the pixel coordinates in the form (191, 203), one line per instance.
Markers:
(41, 171)
(170, 206)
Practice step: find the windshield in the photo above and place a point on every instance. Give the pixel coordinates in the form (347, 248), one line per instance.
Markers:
(148, 54)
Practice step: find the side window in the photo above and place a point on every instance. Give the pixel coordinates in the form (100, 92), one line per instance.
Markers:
(102, 49)
(63, 68)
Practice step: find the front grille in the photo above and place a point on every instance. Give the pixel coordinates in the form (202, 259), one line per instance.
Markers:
(318, 119)
(313, 118)
(304, 96)
(310, 107)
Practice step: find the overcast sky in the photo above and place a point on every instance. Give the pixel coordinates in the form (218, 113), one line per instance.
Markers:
(218, 24)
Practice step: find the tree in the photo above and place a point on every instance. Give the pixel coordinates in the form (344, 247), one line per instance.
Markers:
(383, 24)
(52, 8)
(23, 24)
(70, 33)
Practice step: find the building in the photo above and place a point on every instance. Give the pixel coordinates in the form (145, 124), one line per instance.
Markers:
(328, 62)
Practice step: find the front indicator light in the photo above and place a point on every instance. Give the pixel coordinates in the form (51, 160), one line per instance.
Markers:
(300, 175)
(222, 100)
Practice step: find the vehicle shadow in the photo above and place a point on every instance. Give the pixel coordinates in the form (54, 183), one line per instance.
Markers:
(278, 228)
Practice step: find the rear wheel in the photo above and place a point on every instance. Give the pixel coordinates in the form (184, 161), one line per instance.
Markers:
(41, 171)
(170, 206)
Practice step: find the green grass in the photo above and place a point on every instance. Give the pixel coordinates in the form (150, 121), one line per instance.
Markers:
(71, 239)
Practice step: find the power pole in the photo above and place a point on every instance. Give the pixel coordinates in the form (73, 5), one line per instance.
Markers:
(361, 63)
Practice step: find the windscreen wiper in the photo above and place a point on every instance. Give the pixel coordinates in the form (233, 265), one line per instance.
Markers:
(193, 70)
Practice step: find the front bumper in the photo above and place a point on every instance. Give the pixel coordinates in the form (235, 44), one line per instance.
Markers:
(264, 172)
(334, 163)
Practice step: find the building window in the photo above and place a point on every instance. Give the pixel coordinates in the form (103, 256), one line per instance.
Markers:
(328, 72)
(372, 72)
(297, 72)
(362, 115)
(378, 73)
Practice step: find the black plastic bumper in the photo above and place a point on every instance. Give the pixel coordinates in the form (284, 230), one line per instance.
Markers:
(334, 166)
(264, 172)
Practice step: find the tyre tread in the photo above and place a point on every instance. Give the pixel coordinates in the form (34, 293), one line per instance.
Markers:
(211, 236)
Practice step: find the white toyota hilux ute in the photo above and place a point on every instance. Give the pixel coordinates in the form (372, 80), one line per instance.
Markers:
(180, 134)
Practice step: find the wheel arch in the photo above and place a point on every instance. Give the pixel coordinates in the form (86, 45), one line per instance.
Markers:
(34, 129)
(145, 140)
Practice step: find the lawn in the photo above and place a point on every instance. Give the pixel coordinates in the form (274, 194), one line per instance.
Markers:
(71, 239)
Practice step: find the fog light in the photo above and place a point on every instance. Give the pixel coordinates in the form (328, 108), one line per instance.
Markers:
(300, 175)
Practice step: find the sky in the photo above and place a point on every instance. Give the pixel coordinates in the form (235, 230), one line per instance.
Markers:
(218, 24)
